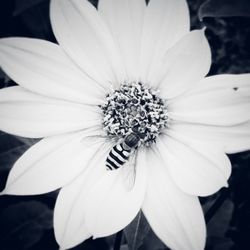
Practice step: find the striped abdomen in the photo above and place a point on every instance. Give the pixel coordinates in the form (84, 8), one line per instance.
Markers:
(117, 157)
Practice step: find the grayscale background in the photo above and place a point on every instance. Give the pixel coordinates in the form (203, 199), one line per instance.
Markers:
(26, 221)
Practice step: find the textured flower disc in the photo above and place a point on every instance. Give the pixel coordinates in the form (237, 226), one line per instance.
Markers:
(134, 108)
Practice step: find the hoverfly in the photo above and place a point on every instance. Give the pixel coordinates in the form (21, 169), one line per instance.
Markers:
(125, 154)
(121, 152)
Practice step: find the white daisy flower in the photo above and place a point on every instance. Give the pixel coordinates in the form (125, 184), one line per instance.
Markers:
(125, 69)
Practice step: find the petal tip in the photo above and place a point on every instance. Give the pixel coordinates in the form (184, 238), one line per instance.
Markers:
(62, 248)
(204, 29)
(201, 33)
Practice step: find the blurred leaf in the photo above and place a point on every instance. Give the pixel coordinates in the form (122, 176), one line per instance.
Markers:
(219, 225)
(23, 5)
(152, 242)
(224, 8)
(10, 150)
(8, 158)
(124, 247)
(23, 224)
(37, 21)
(136, 231)
(27, 141)
(220, 222)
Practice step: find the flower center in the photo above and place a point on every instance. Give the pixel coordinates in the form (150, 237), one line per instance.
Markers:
(134, 108)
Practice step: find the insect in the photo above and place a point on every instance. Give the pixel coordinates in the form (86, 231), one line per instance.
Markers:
(121, 152)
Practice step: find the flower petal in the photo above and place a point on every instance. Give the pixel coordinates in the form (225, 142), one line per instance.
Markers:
(175, 217)
(218, 100)
(51, 163)
(197, 168)
(185, 64)
(69, 214)
(125, 20)
(231, 139)
(165, 22)
(84, 36)
(119, 206)
(43, 67)
(77, 211)
(239, 83)
(27, 114)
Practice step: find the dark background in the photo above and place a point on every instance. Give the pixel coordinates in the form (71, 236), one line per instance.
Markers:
(26, 221)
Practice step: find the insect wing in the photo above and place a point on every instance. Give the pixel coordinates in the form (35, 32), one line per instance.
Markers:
(129, 172)
(93, 139)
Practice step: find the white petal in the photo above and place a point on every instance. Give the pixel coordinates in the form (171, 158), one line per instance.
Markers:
(197, 168)
(239, 83)
(69, 215)
(231, 139)
(175, 217)
(44, 68)
(186, 63)
(96, 203)
(165, 22)
(221, 100)
(27, 114)
(125, 20)
(110, 206)
(84, 36)
(51, 163)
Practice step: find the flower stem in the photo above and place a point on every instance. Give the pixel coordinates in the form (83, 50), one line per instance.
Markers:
(118, 240)
(216, 206)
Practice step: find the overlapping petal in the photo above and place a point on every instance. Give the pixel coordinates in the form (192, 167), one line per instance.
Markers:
(97, 203)
(119, 206)
(185, 64)
(44, 68)
(165, 22)
(125, 20)
(221, 100)
(52, 163)
(93, 50)
(69, 214)
(197, 168)
(28, 114)
(238, 82)
(175, 217)
(231, 139)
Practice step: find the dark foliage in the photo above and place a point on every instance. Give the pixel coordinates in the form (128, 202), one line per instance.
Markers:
(26, 222)
(223, 8)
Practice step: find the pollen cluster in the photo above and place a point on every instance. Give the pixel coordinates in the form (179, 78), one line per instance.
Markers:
(134, 108)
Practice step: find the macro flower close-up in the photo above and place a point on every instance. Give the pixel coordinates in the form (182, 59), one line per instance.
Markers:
(127, 118)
